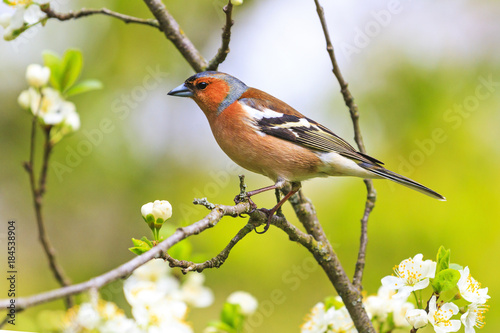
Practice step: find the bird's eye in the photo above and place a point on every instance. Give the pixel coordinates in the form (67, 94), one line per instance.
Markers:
(201, 85)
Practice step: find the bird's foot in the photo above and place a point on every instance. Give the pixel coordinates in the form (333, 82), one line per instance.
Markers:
(269, 213)
(242, 198)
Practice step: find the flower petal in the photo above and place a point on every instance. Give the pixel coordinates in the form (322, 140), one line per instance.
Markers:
(33, 14)
(421, 284)
(392, 282)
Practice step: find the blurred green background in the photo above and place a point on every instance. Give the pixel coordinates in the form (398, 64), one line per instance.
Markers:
(425, 76)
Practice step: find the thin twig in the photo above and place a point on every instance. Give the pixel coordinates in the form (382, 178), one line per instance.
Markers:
(353, 110)
(173, 32)
(38, 193)
(226, 38)
(104, 11)
(363, 238)
(127, 268)
(216, 261)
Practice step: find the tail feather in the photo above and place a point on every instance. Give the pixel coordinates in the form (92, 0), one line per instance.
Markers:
(384, 173)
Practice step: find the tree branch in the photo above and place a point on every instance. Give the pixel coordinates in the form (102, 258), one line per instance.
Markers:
(126, 269)
(353, 110)
(173, 32)
(226, 37)
(37, 193)
(328, 260)
(216, 261)
(104, 11)
(371, 197)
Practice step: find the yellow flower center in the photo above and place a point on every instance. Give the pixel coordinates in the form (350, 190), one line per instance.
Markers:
(19, 2)
(472, 285)
(442, 317)
(479, 314)
(407, 271)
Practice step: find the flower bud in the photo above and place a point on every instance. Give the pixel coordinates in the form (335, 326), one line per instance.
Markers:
(162, 209)
(71, 117)
(155, 214)
(37, 76)
(24, 99)
(5, 20)
(417, 318)
(247, 302)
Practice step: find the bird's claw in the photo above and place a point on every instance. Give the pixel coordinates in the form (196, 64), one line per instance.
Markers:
(242, 198)
(269, 213)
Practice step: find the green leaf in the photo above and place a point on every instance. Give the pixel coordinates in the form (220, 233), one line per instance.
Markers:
(147, 241)
(445, 280)
(443, 259)
(136, 250)
(54, 63)
(232, 316)
(71, 68)
(140, 245)
(83, 87)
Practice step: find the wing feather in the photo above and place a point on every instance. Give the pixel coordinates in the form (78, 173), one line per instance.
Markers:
(294, 127)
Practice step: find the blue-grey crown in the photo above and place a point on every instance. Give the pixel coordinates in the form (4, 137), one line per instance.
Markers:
(236, 87)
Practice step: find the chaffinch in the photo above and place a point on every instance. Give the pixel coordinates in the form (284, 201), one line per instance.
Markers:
(265, 135)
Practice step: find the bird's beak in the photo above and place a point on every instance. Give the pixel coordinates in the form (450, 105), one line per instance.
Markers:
(181, 91)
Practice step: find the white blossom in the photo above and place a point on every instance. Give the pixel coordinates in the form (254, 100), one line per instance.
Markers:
(87, 316)
(417, 318)
(37, 75)
(440, 316)
(159, 209)
(71, 117)
(399, 311)
(340, 321)
(194, 293)
(153, 270)
(26, 13)
(470, 289)
(120, 325)
(411, 274)
(101, 316)
(247, 302)
(25, 97)
(316, 320)
(147, 293)
(474, 317)
(50, 107)
(5, 20)
(160, 313)
(330, 321)
(380, 305)
(151, 291)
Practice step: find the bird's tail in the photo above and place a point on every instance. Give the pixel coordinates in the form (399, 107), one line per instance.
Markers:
(384, 173)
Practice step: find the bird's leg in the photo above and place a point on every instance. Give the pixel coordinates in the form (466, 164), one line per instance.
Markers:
(295, 188)
(277, 193)
(278, 185)
(246, 195)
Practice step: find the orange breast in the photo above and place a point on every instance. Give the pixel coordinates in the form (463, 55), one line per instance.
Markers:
(264, 154)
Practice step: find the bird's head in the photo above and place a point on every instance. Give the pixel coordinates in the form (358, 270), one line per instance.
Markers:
(212, 91)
